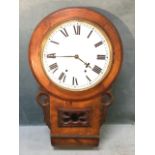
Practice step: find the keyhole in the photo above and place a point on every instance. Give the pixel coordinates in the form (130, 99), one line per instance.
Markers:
(74, 117)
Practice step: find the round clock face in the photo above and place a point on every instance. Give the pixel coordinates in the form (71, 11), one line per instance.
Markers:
(76, 55)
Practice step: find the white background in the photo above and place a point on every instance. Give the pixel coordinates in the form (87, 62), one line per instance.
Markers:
(145, 77)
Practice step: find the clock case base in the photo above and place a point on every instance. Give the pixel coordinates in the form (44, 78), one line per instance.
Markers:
(74, 123)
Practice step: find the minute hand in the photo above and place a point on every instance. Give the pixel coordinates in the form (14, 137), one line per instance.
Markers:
(66, 56)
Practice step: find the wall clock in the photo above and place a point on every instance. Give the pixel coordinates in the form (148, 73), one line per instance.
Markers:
(75, 55)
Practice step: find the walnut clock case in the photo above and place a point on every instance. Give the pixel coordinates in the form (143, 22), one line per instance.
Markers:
(75, 55)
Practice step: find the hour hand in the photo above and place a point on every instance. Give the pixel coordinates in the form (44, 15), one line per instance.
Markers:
(87, 64)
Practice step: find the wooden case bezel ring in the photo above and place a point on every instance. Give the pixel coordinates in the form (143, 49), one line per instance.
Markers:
(61, 16)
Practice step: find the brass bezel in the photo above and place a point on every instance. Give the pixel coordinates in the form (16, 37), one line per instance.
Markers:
(98, 28)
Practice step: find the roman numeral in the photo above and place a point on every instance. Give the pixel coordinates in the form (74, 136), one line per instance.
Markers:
(54, 42)
(53, 66)
(55, 70)
(62, 77)
(88, 78)
(77, 29)
(97, 69)
(64, 32)
(74, 81)
(52, 55)
(90, 33)
(101, 57)
(98, 44)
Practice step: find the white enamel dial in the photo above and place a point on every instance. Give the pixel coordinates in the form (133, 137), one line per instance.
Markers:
(76, 55)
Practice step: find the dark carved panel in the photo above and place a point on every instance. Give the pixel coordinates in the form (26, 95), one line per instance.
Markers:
(74, 118)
